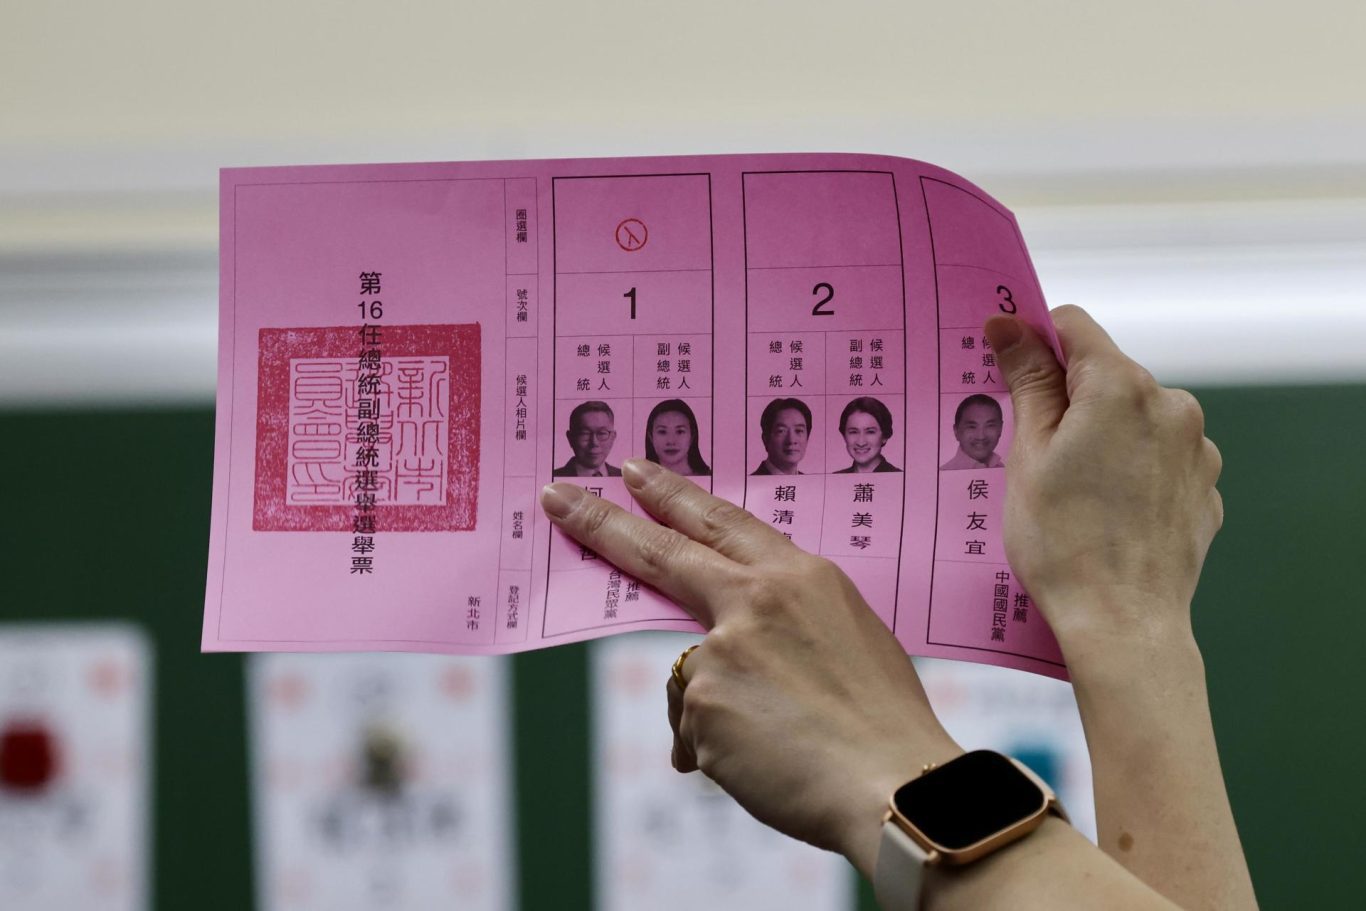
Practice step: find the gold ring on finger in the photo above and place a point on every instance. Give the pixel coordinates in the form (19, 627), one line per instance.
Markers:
(678, 667)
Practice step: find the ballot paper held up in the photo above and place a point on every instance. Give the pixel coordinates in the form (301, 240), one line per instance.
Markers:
(410, 352)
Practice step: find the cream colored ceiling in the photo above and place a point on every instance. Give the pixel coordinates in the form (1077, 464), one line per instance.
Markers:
(169, 70)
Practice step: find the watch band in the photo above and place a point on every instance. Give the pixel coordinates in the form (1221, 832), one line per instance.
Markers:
(900, 875)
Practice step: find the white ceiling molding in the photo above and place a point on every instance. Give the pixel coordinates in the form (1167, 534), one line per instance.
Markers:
(1058, 159)
(1202, 294)
(109, 329)
(1216, 293)
(1207, 273)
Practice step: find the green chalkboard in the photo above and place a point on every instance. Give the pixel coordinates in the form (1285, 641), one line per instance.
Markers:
(109, 514)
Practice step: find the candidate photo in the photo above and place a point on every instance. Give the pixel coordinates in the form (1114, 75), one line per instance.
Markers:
(977, 425)
(785, 428)
(866, 426)
(592, 431)
(671, 439)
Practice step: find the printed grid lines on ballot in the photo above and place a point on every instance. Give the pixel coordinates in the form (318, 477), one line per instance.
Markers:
(797, 333)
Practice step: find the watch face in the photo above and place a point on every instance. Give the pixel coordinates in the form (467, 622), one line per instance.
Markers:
(969, 799)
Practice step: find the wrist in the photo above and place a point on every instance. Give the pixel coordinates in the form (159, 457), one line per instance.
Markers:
(870, 799)
(1131, 689)
(1097, 629)
(1131, 656)
(1033, 861)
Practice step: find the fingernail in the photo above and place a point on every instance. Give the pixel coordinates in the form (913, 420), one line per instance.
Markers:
(1004, 333)
(559, 499)
(636, 472)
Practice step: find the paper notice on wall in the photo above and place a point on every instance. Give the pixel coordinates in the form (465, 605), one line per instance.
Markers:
(75, 760)
(672, 842)
(381, 781)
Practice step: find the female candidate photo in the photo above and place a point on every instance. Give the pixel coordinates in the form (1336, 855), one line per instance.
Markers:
(866, 425)
(671, 438)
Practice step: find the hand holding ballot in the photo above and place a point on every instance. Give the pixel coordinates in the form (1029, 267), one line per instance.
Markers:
(802, 706)
(799, 702)
(1115, 473)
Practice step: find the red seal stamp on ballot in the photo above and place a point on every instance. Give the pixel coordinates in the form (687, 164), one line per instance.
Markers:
(310, 413)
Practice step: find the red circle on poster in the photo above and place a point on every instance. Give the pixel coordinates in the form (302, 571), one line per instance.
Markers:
(632, 234)
(28, 756)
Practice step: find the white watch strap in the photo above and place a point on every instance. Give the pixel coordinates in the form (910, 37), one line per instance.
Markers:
(900, 873)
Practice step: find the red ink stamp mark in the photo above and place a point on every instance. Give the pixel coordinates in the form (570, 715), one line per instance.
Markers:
(632, 235)
(308, 410)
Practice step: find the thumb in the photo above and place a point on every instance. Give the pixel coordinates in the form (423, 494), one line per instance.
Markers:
(1038, 383)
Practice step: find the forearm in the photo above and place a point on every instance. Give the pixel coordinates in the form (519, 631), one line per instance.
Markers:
(1053, 869)
(1162, 810)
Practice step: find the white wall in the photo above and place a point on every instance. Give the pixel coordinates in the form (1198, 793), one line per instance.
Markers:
(1190, 170)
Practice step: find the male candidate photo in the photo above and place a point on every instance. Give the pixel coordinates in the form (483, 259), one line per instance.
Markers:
(591, 433)
(977, 428)
(785, 427)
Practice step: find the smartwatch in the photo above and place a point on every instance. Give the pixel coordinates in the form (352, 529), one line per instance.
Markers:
(955, 814)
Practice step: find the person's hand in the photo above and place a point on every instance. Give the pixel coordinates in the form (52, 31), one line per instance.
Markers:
(800, 703)
(1110, 499)
(1110, 511)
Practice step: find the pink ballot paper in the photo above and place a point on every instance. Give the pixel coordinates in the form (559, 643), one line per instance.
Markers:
(409, 352)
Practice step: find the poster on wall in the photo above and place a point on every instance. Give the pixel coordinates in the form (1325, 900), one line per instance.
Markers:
(672, 842)
(381, 781)
(75, 755)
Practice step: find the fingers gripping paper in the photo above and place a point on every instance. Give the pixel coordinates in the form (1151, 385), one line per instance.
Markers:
(409, 352)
